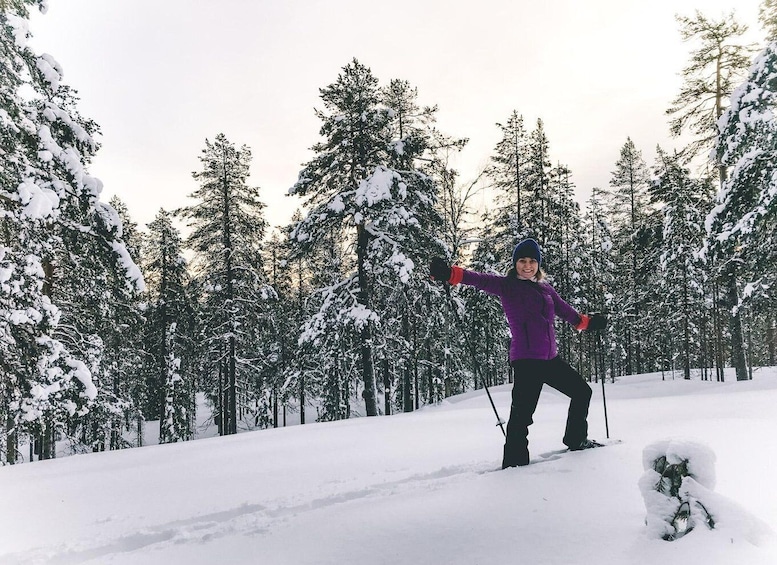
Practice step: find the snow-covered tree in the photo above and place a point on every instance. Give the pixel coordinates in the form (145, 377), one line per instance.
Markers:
(716, 67)
(564, 247)
(169, 366)
(741, 225)
(767, 15)
(597, 280)
(228, 227)
(367, 190)
(536, 210)
(684, 202)
(102, 320)
(47, 199)
(508, 171)
(629, 208)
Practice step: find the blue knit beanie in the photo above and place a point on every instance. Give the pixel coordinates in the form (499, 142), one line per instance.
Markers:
(527, 248)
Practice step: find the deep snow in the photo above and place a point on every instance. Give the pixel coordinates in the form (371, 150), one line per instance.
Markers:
(419, 488)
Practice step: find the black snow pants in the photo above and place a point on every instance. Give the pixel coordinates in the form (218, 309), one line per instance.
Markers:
(530, 375)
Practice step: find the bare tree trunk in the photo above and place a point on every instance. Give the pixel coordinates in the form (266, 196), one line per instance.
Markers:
(719, 364)
(232, 388)
(407, 397)
(11, 447)
(301, 399)
(386, 388)
(737, 338)
(365, 336)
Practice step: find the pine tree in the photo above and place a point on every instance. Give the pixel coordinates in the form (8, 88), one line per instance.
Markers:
(509, 173)
(714, 70)
(170, 382)
(423, 163)
(767, 15)
(106, 314)
(538, 183)
(228, 228)
(366, 186)
(741, 226)
(47, 200)
(521, 172)
(628, 210)
(684, 203)
(596, 284)
(564, 246)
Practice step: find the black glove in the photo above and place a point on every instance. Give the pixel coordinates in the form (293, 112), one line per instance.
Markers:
(439, 269)
(597, 321)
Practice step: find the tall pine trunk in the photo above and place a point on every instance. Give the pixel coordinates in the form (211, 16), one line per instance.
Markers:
(10, 441)
(737, 335)
(686, 327)
(365, 335)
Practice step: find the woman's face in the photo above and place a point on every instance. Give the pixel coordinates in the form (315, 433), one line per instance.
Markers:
(526, 267)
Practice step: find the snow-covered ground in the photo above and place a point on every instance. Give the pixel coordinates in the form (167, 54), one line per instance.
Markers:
(418, 488)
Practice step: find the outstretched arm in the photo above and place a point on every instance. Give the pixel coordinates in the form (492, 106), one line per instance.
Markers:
(567, 313)
(439, 270)
(579, 321)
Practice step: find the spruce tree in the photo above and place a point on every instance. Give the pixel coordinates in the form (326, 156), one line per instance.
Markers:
(227, 230)
(168, 342)
(715, 68)
(509, 173)
(767, 15)
(684, 202)
(741, 225)
(48, 201)
(366, 186)
(628, 210)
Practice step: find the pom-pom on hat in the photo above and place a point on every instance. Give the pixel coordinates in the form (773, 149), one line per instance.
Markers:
(527, 248)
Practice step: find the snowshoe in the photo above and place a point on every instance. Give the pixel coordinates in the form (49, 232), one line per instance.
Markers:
(586, 444)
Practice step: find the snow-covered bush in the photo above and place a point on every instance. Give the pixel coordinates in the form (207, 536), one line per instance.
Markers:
(679, 476)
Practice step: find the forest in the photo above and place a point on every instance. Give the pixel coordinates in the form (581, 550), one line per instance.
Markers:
(106, 325)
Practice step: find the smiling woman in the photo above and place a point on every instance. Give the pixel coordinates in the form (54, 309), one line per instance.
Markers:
(531, 307)
(160, 77)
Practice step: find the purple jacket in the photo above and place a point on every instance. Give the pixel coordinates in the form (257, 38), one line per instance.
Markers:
(530, 309)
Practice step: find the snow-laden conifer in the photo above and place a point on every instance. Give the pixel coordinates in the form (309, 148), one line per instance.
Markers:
(629, 209)
(366, 192)
(228, 227)
(47, 199)
(169, 363)
(741, 224)
(713, 72)
(508, 171)
(683, 203)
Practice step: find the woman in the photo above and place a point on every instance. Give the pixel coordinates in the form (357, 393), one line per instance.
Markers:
(531, 305)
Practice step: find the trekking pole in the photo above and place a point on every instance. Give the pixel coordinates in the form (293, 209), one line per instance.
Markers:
(499, 421)
(600, 355)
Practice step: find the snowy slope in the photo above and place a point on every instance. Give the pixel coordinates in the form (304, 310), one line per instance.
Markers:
(418, 488)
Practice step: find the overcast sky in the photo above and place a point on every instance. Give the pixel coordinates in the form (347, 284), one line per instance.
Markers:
(161, 76)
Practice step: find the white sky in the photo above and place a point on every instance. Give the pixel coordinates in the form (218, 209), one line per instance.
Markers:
(160, 77)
